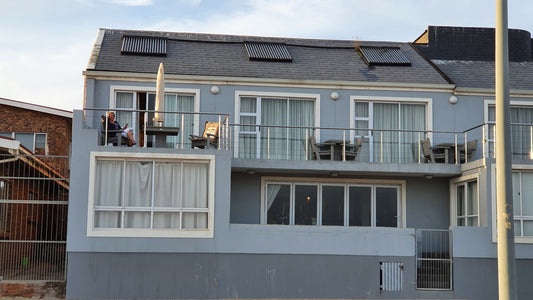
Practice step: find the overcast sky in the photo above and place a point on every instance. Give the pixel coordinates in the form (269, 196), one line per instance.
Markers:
(45, 44)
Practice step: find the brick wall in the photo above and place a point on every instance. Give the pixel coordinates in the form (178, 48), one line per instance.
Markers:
(45, 290)
(57, 128)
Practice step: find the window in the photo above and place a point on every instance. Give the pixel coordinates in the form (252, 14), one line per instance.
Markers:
(523, 203)
(151, 196)
(380, 122)
(466, 208)
(294, 202)
(129, 99)
(275, 139)
(521, 130)
(32, 141)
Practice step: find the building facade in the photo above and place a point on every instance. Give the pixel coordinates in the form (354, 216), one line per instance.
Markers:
(324, 169)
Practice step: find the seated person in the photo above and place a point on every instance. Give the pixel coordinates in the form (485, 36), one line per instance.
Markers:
(126, 132)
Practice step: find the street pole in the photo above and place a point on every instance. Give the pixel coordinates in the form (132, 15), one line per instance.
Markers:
(504, 196)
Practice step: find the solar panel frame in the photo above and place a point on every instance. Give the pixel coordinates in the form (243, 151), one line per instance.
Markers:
(389, 56)
(260, 51)
(144, 45)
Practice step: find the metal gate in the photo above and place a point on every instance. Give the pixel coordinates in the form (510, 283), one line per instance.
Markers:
(33, 217)
(434, 259)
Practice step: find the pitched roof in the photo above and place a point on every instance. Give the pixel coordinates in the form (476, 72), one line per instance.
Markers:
(225, 55)
(35, 107)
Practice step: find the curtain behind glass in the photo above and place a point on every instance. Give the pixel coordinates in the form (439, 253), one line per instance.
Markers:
(302, 114)
(108, 192)
(521, 135)
(124, 100)
(195, 195)
(179, 103)
(413, 117)
(138, 193)
(274, 112)
(386, 117)
(248, 134)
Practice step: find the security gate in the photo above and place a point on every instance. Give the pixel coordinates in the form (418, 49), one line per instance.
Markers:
(33, 217)
(434, 260)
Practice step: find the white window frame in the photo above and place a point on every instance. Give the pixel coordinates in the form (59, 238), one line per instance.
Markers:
(139, 232)
(453, 201)
(517, 168)
(347, 183)
(13, 133)
(428, 102)
(114, 89)
(257, 114)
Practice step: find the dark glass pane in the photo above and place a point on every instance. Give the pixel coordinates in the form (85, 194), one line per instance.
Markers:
(333, 205)
(278, 204)
(386, 207)
(360, 206)
(305, 203)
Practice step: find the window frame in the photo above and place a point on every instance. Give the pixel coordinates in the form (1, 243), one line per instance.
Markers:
(257, 114)
(428, 102)
(114, 89)
(515, 168)
(34, 140)
(346, 183)
(463, 180)
(155, 232)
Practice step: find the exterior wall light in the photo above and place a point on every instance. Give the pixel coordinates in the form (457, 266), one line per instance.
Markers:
(215, 90)
(453, 99)
(334, 96)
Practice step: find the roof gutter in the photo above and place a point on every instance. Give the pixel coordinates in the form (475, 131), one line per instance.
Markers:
(277, 82)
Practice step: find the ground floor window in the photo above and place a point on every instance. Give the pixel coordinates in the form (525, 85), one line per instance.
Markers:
(150, 195)
(466, 208)
(523, 203)
(300, 202)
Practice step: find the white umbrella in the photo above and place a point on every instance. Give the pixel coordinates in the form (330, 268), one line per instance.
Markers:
(160, 96)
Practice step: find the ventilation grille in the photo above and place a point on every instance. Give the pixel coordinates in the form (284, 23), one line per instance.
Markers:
(391, 276)
(391, 56)
(267, 52)
(144, 45)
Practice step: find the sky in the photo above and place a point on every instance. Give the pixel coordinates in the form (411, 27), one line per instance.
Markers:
(45, 44)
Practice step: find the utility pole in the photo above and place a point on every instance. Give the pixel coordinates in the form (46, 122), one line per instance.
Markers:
(504, 196)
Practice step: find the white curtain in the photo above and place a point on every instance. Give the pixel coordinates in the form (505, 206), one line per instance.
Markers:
(124, 100)
(413, 117)
(167, 187)
(138, 193)
(272, 193)
(248, 134)
(179, 103)
(301, 114)
(386, 117)
(195, 195)
(274, 112)
(109, 177)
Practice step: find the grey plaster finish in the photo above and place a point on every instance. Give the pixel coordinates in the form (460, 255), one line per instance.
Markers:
(480, 74)
(220, 55)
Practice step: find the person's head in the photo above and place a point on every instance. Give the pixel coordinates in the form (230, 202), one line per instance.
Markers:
(111, 116)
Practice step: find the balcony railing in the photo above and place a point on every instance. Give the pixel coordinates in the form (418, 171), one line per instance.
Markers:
(306, 143)
(174, 131)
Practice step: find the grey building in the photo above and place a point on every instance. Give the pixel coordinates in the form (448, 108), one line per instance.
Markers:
(292, 168)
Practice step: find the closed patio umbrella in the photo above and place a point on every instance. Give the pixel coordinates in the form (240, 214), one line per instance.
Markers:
(160, 96)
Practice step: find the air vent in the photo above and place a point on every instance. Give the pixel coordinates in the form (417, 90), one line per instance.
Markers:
(144, 45)
(391, 276)
(267, 52)
(389, 56)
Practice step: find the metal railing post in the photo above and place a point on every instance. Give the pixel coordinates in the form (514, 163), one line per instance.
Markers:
(268, 142)
(530, 142)
(145, 144)
(182, 127)
(381, 146)
(484, 141)
(418, 146)
(106, 126)
(219, 142)
(306, 144)
(343, 145)
(466, 147)
(456, 154)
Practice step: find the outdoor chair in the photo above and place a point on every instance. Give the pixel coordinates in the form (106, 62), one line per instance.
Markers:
(208, 139)
(352, 151)
(470, 149)
(427, 151)
(320, 151)
(113, 136)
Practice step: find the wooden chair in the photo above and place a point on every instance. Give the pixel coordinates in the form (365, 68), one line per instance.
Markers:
(320, 151)
(470, 149)
(208, 139)
(113, 136)
(427, 151)
(352, 151)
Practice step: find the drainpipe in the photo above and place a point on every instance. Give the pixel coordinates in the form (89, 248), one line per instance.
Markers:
(504, 196)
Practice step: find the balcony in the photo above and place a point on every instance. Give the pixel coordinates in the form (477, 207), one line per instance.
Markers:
(291, 147)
